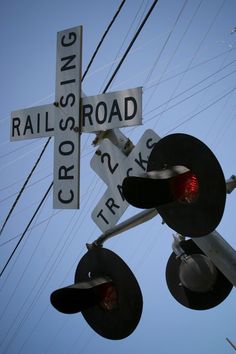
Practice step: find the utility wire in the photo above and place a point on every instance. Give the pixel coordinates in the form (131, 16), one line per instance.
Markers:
(189, 89)
(189, 68)
(202, 110)
(175, 51)
(197, 50)
(26, 229)
(130, 45)
(122, 44)
(190, 96)
(107, 86)
(45, 146)
(102, 39)
(165, 44)
(24, 185)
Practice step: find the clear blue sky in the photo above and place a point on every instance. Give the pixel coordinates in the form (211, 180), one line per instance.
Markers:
(168, 59)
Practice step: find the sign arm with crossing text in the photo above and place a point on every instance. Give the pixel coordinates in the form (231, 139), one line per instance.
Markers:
(66, 125)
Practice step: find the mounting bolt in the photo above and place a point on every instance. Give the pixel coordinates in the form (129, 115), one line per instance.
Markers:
(76, 129)
(56, 104)
(98, 152)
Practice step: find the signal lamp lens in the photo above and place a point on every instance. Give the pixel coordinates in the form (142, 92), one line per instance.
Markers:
(197, 273)
(185, 187)
(108, 297)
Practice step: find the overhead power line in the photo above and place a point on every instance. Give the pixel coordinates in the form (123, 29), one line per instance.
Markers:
(107, 86)
(203, 109)
(166, 42)
(24, 185)
(27, 227)
(189, 89)
(189, 68)
(118, 54)
(103, 37)
(131, 44)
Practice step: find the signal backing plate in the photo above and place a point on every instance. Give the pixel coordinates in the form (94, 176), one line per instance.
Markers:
(190, 299)
(203, 215)
(121, 321)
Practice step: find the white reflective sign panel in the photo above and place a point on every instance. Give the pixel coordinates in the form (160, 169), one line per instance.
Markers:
(112, 110)
(33, 122)
(66, 125)
(112, 166)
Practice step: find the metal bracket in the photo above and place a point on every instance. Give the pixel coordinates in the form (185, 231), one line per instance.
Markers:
(231, 184)
(135, 220)
(220, 252)
(117, 138)
(177, 249)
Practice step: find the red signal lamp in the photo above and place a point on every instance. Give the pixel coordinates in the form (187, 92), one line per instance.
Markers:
(108, 297)
(185, 187)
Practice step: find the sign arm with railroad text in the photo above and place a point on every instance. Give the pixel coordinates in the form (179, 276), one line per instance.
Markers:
(112, 110)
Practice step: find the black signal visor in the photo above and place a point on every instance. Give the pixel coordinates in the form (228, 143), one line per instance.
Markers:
(157, 187)
(81, 296)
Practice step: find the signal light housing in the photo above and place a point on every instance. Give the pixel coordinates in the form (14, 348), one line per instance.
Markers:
(184, 182)
(106, 292)
(196, 283)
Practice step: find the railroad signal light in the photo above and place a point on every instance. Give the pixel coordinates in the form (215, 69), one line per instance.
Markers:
(184, 182)
(194, 281)
(106, 293)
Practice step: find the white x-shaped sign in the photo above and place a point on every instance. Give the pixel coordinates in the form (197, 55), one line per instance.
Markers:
(112, 166)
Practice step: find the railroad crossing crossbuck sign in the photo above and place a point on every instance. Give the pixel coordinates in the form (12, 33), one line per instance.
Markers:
(71, 114)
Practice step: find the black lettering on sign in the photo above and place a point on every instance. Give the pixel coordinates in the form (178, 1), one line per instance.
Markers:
(47, 128)
(132, 115)
(120, 190)
(141, 162)
(110, 167)
(38, 122)
(66, 147)
(65, 124)
(63, 172)
(67, 82)
(100, 214)
(110, 203)
(115, 111)
(72, 39)
(87, 112)
(63, 200)
(128, 171)
(149, 143)
(28, 126)
(68, 60)
(102, 112)
(15, 126)
(66, 102)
